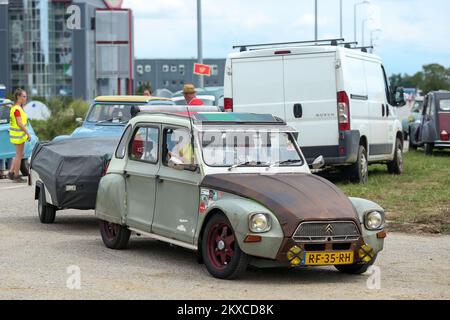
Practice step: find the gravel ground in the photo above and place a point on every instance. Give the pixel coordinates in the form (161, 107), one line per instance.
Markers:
(34, 259)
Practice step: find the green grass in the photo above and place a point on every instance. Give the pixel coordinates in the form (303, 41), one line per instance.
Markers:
(416, 201)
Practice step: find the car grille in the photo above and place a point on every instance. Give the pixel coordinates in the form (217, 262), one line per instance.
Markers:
(327, 231)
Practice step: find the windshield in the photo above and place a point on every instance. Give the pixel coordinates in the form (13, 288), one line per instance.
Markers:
(444, 105)
(4, 114)
(417, 106)
(108, 113)
(249, 148)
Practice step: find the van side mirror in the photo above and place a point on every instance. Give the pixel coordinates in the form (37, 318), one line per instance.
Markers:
(318, 163)
(79, 120)
(399, 97)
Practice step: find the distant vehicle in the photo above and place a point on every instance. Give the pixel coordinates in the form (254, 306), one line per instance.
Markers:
(432, 130)
(7, 149)
(108, 115)
(211, 96)
(338, 98)
(412, 116)
(235, 188)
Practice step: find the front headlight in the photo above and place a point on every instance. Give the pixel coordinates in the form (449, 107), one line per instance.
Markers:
(374, 220)
(259, 222)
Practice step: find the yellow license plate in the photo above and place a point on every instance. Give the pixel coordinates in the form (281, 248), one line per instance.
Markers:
(328, 258)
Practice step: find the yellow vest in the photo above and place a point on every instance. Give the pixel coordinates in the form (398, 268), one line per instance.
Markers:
(16, 135)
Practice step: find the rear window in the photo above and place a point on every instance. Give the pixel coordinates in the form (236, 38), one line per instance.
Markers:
(444, 105)
(4, 114)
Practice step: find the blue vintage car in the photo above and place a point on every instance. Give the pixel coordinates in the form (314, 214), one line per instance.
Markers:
(108, 115)
(7, 149)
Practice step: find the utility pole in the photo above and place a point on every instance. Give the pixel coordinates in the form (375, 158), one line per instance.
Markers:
(355, 7)
(316, 27)
(341, 16)
(199, 40)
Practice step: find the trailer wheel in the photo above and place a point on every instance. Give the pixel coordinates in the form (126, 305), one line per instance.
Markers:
(46, 211)
(25, 168)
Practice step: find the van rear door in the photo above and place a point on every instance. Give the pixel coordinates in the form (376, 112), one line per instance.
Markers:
(258, 85)
(311, 102)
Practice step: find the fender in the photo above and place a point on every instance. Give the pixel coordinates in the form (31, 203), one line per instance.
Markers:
(362, 207)
(111, 199)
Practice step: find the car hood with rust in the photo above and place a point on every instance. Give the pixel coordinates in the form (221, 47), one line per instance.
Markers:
(293, 197)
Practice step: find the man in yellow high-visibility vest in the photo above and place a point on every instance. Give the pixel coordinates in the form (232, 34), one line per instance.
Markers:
(18, 132)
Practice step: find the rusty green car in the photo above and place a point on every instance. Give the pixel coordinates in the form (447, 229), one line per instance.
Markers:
(236, 189)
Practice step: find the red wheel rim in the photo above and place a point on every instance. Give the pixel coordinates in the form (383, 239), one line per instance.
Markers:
(220, 244)
(110, 230)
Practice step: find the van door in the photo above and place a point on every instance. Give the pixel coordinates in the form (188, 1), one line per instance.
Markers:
(379, 111)
(258, 85)
(311, 102)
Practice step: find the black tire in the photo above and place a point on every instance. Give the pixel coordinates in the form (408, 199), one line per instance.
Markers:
(412, 145)
(429, 149)
(216, 254)
(46, 212)
(396, 165)
(359, 171)
(114, 236)
(25, 168)
(355, 268)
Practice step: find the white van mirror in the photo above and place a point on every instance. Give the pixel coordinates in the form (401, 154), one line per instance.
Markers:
(399, 97)
(318, 163)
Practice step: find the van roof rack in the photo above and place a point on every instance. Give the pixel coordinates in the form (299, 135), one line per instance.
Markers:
(333, 42)
(364, 49)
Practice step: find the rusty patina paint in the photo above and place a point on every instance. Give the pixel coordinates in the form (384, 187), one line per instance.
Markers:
(293, 197)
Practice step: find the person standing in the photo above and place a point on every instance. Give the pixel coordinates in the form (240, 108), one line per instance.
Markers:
(18, 133)
(190, 97)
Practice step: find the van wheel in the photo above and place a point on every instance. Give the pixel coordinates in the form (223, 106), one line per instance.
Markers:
(396, 165)
(220, 251)
(114, 236)
(359, 171)
(46, 212)
(429, 148)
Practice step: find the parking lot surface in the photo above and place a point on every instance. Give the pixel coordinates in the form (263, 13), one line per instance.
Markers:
(35, 260)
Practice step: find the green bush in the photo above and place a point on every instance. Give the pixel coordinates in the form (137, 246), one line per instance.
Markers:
(63, 118)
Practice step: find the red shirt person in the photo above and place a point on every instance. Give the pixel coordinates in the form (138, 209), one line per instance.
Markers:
(190, 97)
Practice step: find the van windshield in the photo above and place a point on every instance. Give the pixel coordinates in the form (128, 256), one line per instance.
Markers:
(251, 148)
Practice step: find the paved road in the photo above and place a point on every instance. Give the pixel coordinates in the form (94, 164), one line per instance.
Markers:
(34, 260)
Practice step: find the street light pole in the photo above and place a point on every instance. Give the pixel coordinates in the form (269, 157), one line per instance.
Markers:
(316, 28)
(363, 30)
(340, 11)
(371, 37)
(199, 40)
(355, 7)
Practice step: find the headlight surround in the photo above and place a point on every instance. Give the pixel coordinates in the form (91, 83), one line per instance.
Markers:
(374, 220)
(259, 222)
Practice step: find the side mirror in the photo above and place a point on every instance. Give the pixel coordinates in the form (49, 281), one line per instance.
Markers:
(79, 120)
(318, 163)
(399, 97)
(175, 163)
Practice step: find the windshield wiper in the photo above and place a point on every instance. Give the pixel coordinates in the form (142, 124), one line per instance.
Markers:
(289, 161)
(245, 163)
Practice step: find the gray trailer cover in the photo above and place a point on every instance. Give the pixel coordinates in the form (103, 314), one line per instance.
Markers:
(71, 169)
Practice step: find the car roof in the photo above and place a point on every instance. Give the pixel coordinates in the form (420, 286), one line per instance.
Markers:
(130, 99)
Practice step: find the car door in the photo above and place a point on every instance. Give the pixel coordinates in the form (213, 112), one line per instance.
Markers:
(141, 173)
(428, 130)
(177, 191)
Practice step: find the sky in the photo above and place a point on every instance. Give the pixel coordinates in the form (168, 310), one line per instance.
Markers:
(407, 33)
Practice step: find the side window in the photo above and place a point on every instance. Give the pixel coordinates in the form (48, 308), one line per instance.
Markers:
(177, 143)
(4, 114)
(144, 145)
(122, 147)
(387, 87)
(431, 106)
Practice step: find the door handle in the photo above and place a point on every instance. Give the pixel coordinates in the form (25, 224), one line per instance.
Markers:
(387, 110)
(126, 174)
(298, 110)
(382, 112)
(158, 178)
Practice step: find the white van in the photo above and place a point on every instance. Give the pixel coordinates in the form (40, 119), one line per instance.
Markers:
(338, 98)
